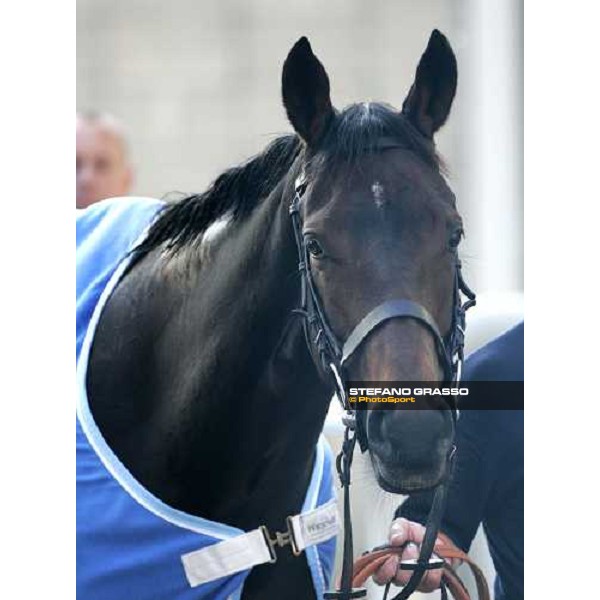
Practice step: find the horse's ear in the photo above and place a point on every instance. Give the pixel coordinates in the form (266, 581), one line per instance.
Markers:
(430, 97)
(305, 92)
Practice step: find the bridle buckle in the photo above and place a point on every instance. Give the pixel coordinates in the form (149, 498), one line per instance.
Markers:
(349, 420)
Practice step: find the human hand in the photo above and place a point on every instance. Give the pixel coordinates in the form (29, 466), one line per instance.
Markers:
(410, 533)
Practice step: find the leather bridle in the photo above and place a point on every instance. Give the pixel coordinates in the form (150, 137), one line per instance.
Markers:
(331, 356)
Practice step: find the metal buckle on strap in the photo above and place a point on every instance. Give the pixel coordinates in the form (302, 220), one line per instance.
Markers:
(349, 420)
(300, 184)
(281, 539)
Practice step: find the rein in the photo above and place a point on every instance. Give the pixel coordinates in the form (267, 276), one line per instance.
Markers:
(330, 356)
(369, 562)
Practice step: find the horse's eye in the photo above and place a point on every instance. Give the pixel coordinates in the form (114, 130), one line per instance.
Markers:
(455, 238)
(314, 248)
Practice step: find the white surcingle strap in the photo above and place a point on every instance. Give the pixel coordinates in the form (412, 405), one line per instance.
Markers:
(257, 547)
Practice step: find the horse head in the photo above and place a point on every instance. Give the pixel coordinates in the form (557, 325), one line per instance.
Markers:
(378, 224)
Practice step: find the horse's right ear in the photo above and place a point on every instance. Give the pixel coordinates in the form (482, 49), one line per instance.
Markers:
(305, 92)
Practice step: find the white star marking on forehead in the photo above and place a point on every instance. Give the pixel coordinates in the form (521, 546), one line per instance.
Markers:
(378, 194)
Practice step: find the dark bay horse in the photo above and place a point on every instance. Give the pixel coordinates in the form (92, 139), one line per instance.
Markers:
(199, 376)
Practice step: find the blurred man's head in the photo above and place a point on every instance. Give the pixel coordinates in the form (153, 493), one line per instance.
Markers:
(103, 169)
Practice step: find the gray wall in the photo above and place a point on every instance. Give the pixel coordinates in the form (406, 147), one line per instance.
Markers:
(197, 86)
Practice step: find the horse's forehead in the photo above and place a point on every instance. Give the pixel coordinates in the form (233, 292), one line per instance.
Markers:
(396, 166)
(398, 181)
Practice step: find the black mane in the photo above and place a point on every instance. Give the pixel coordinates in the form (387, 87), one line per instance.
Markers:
(236, 192)
(355, 131)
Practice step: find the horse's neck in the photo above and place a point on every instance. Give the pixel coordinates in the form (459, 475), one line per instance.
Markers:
(207, 404)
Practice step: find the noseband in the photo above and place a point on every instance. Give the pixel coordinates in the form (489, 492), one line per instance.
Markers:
(331, 356)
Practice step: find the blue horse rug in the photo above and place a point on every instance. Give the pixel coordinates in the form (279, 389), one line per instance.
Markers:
(129, 543)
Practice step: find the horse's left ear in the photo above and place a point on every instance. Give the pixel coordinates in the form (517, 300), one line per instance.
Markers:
(305, 92)
(430, 97)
